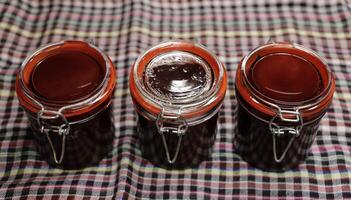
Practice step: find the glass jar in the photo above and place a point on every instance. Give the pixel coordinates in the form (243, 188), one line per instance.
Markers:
(283, 90)
(177, 88)
(66, 90)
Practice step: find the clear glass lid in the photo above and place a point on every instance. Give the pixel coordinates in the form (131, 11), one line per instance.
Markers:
(178, 77)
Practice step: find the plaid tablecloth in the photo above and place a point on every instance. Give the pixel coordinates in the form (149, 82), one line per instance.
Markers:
(124, 29)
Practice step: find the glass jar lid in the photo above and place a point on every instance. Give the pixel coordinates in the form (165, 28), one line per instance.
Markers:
(285, 79)
(70, 77)
(178, 78)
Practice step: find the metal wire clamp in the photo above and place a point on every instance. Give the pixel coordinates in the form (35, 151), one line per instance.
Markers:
(277, 130)
(62, 129)
(173, 124)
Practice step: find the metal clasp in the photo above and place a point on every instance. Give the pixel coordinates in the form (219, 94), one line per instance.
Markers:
(277, 130)
(54, 121)
(173, 124)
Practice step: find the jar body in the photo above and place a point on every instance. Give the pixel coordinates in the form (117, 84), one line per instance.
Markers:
(283, 90)
(85, 145)
(254, 142)
(196, 144)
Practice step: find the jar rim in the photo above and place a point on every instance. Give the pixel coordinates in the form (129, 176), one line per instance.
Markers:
(193, 110)
(35, 103)
(263, 103)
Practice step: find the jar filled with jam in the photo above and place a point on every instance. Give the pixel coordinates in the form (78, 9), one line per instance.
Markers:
(177, 88)
(283, 90)
(66, 90)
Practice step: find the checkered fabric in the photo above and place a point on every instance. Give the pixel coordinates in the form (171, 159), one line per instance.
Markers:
(125, 29)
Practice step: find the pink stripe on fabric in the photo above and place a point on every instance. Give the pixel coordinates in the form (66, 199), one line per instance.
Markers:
(182, 18)
(96, 177)
(15, 143)
(8, 71)
(330, 147)
(82, 187)
(342, 75)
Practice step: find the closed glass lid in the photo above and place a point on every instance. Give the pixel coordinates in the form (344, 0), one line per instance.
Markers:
(286, 77)
(177, 77)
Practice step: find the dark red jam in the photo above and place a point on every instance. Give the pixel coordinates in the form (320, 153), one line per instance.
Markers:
(286, 77)
(85, 145)
(66, 90)
(195, 147)
(283, 91)
(176, 81)
(66, 76)
(177, 89)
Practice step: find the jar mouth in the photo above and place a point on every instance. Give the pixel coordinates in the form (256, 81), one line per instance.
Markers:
(197, 86)
(30, 64)
(303, 87)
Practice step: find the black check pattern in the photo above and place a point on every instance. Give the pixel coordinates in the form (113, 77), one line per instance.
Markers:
(124, 29)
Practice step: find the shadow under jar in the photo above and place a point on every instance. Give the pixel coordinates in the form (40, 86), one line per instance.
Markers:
(177, 88)
(283, 91)
(66, 89)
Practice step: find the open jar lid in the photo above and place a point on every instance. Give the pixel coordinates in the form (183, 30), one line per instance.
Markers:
(178, 78)
(73, 78)
(287, 80)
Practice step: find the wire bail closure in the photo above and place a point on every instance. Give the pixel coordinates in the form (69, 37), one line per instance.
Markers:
(62, 129)
(43, 118)
(277, 130)
(173, 124)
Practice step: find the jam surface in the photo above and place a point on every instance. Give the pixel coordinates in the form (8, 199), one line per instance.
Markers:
(177, 76)
(286, 77)
(66, 76)
(177, 81)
